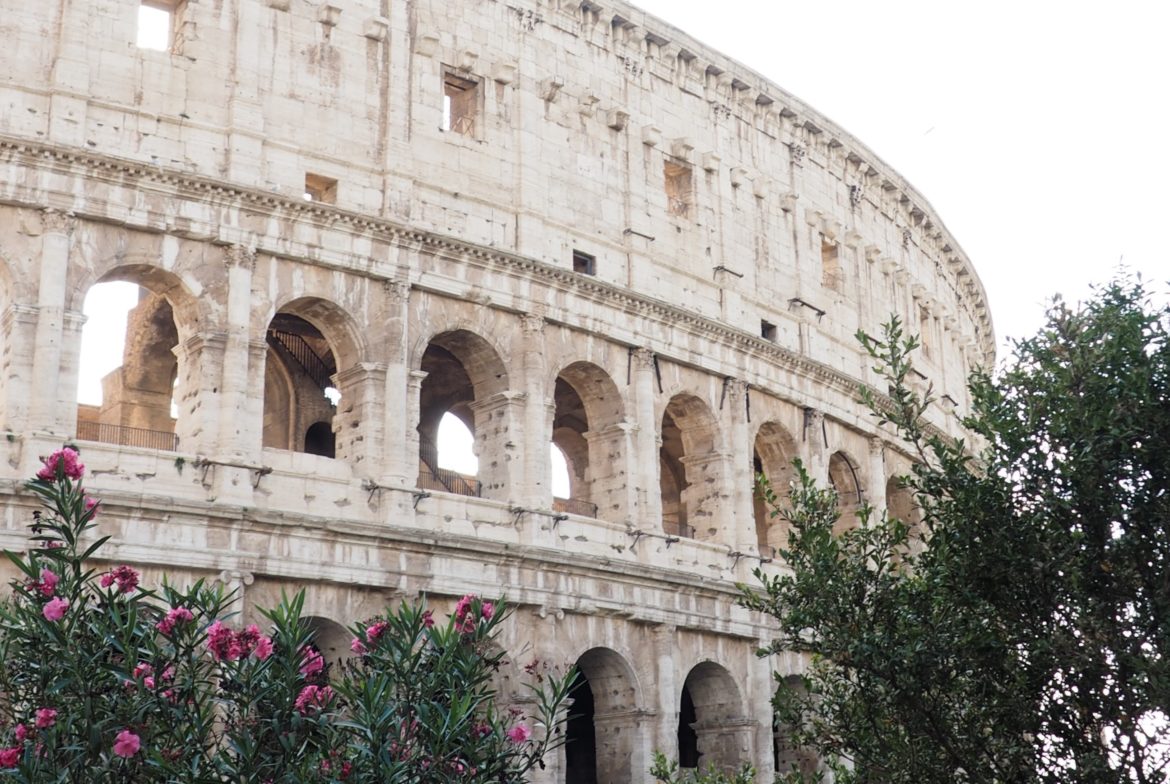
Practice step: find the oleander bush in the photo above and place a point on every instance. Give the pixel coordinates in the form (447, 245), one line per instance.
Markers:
(106, 680)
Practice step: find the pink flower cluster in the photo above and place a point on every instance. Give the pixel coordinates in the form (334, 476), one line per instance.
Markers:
(127, 744)
(173, 618)
(125, 577)
(465, 620)
(10, 758)
(55, 609)
(374, 633)
(47, 584)
(313, 698)
(312, 662)
(519, 733)
(228, 645)
(66, 460)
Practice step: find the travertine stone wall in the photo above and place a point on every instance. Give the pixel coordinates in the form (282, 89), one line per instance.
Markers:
(738, 237)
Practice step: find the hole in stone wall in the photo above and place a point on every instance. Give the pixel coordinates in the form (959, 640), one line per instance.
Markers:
(460, 104)
(679, 188)
(584, 263)
(158, 24)
(456, 442)
(320, 189)
(832, 276)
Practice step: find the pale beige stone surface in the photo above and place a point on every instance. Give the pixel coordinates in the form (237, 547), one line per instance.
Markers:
(711, 200)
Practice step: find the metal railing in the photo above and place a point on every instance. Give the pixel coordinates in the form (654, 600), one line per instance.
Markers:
(672, 527)
(127, 436)
(310, 361)
(575, 506)
(431, 477)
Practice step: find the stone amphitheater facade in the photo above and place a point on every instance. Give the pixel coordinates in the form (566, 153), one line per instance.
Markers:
(557, 220)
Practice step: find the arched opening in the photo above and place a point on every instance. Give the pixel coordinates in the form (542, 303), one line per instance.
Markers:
(690, 465)
(330, 639)
(712, 726)
(587, 407)
(772, 458)
(319, 440)
(462, 383)
(846, 482)
(580, 737)
(298, 372)
(129, 375)
(602, 731)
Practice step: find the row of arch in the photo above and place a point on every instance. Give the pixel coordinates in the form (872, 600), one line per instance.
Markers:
(608, 722)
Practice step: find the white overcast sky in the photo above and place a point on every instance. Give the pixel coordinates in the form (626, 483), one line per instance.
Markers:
(1036, 129)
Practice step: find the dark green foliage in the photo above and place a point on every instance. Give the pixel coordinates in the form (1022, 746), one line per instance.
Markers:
(1024, 637)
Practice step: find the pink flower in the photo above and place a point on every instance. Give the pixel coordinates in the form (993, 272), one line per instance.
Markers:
(311, 662)
(375, 631)
(219, 642)
(313, 698)
(428, 619)
(519, 733)
(64, 459)
(46, 717)
(48, 582)
(124, 576)
(20, 733)
(357, 646)
(10, 758)
(91, 504)
(55, 609)
(174, 617)
(127, 744)
(487, 610)
(263, 648)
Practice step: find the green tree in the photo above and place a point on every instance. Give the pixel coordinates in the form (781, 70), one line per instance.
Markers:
(1023, 636)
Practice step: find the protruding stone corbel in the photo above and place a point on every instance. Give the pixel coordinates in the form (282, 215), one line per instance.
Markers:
(761, 186)
(711, 162)
(681, 148)
(739, 176)
(279, 5)
(872, 253)
(788, 202)
(617, 119)
(427, 44)
(550, 88)
(468, 59)
(853, 239)
(587, 106)
(375, 28)
(651, 135)
(329, 15)
(504, 73)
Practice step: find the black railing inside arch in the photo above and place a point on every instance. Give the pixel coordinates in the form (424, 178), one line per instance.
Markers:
(299, 349)
(127, 436)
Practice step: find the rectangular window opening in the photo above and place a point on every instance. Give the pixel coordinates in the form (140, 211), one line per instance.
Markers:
(679, 188)
(460, 104)
(768, 331)
(322, 189)
(832, 276)
(158, 24)
(584, 263)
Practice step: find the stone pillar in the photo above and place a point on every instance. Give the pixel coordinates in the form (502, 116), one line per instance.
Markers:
(19, 327)
(707, 498)
(239, 437)
(620, 747)
(400, 396)
(645, 460)
(44, 403)
(200, 372)
(68, 374)
(609, 475)
(761, 685)
(667, 690)
(357, 426)
(500, 466)
(875, 493)
(741, 476)
(535, 484)
(409, 456)
(816, 459)
(726, 743)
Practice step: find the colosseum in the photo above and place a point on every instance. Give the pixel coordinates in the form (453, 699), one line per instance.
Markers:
(556, 222)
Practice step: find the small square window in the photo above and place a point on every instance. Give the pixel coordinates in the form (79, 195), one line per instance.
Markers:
(158, 24)
(584, 263)
(679, 188)
(322, 189)
(768, 331)
(460, 104)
